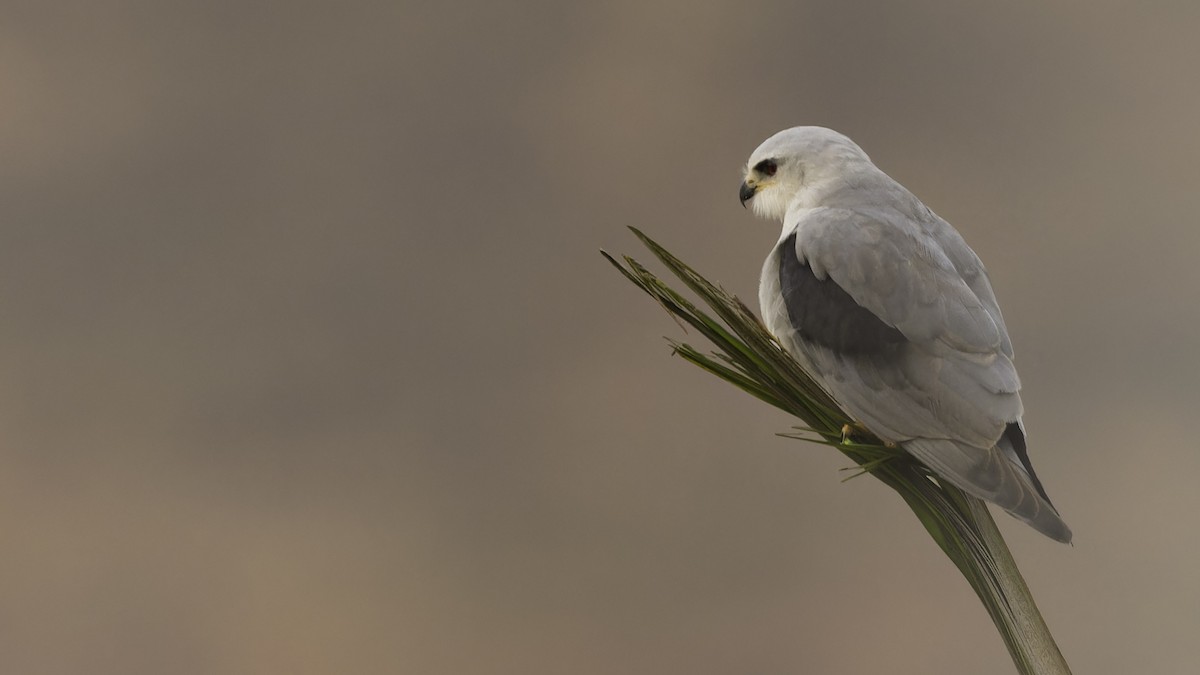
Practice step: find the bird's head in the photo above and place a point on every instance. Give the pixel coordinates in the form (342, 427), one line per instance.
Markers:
(792, 160)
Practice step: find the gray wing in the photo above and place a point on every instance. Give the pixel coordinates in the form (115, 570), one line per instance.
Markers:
(897, 319)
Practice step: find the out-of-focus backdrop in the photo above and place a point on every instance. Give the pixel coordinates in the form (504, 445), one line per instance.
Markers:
(309, 362)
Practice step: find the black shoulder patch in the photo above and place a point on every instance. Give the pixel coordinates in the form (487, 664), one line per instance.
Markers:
(825, 314)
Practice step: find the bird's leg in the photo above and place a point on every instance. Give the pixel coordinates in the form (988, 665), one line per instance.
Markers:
(851, 428)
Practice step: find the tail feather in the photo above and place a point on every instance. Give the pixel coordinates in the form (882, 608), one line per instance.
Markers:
(991, 475)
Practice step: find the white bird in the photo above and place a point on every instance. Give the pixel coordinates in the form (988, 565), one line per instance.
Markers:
(892, 313)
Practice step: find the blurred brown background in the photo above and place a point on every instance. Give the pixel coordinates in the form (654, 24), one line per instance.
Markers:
(309, 362)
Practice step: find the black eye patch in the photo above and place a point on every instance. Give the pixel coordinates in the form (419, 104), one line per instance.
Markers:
(767, 167)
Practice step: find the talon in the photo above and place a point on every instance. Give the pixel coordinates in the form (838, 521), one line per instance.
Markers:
(846, 431)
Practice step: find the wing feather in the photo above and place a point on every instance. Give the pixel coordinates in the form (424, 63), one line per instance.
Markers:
(896, 318)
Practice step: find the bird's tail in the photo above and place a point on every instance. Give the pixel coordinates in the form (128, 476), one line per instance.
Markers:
(994, 474)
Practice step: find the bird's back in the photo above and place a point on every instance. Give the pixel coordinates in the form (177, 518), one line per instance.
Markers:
(895, 317)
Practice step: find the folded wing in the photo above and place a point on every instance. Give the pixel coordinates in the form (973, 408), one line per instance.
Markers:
(897, 319)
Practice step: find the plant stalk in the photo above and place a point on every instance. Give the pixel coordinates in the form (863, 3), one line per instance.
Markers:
(1010, 603)
(748, 357)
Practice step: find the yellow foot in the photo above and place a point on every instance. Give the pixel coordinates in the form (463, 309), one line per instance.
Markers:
(854, 428)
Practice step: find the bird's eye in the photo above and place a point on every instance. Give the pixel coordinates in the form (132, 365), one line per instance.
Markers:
(767, 167)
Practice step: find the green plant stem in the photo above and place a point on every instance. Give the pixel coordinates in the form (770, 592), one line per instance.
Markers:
(1011, 604)
(748, 357)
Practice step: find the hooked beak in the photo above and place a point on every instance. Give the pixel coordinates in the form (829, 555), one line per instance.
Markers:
(746, 192)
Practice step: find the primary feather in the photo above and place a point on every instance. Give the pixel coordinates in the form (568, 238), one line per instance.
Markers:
(893, 314)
